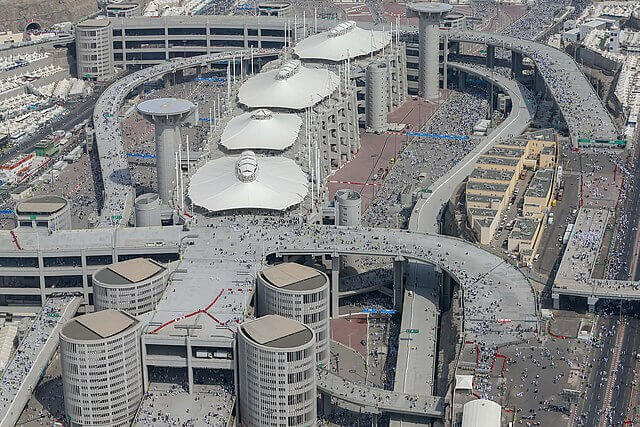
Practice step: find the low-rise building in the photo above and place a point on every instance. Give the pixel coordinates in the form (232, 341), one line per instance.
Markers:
(524, 237)
(537, 198)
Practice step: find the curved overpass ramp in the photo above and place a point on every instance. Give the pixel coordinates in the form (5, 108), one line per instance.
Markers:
(425, 213)
(582, 109)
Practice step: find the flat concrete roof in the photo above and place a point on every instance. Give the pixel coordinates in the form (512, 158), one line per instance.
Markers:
(524, 228)
(540, 184)
(165, 106)
(130, 271)
(96, 23)
(430, 7)
(488, 160)
(277, 331)
(41, 204)
(98, 325)
(294, 277)
(492, 174)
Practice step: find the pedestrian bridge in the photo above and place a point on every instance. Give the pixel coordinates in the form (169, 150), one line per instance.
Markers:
(28, 364)
(373, 400)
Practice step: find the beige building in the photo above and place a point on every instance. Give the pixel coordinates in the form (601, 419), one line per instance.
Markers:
(494, 179)
(524, 237)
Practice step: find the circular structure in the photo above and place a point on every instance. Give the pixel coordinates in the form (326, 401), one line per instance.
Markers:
(345, 40)
(147, 208)
(301, 293)
(50, 212)
(348, 208)
(33, 27)
(165, 107)
(274, 8)
(455, 21)
(166, 114)
(94, 43)
(430, 7)
(292, 86)
(135, 286)
(122, 9)
(429, 14)
(261, 129)
(248, 182)
(377, 89)
(274, 350)
(101, 368)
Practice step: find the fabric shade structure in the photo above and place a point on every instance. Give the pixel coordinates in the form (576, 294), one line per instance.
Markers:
(292, 86)
(261, 129)
(345, 40)
(248, 182)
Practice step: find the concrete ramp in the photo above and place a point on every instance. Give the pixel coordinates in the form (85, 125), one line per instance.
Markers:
(28, 364)
(375, 400)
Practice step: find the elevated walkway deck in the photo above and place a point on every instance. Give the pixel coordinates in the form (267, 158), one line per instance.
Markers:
(32, 357)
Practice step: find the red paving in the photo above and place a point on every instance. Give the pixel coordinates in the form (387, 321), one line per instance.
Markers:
(354, 326)
(377, 150)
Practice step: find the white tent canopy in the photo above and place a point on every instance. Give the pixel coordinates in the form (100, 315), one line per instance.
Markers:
(261, 129)
(248, 182)
(292, 86)
(346, 40)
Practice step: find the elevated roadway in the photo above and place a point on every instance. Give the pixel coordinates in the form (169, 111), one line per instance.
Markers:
(424, 217)
(24, 370)
(376, 401)
(582, 109)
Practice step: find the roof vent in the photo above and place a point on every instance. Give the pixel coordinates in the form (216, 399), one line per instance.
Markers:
(342, 29)
(288, 69)
(262, 114)
(247, 166)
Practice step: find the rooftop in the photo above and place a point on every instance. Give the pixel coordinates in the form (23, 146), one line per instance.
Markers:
(294, 277)
(165, 107)
(485, 186)
(292, 86)
(248, 182)
(505, 152)
(430, 7)
(346, 40)
(41, 205)
(524, 228)
(487, 160)
(98, 325)
(540, 184)
(129, 271)
(490, 174)
(277, 331)
(261, 129)
(96, 23)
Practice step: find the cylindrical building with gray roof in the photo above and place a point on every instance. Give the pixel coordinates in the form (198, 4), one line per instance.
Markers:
(135, 285)
(300, 293)
(46, 212)
(101, 368)
(276, 373)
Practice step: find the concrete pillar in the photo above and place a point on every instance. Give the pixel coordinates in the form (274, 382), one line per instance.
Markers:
(445, 58)
(462, 79)
(516, 64)
(189, 362)
(556, 301)
(429, 40)
(145, 369)
(335, 284)
(591, 302)
(166, 80)
(491, 56)
(399, 264)
(374, 420)
(326, 405)
(445, 289)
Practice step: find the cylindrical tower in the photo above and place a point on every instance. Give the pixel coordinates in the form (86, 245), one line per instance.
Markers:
(94, 50)
(46, 212)
(376, 97)
(166, 114)
(101, 368)
(276, 372)
(301, 293)
(135, 286)
(430, 14)
(348, 208)
(147, 208)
